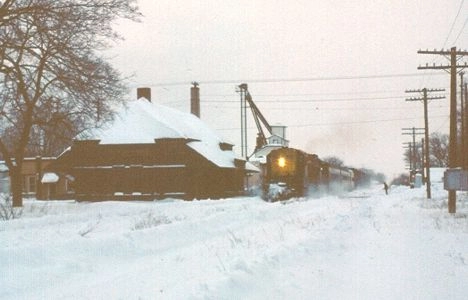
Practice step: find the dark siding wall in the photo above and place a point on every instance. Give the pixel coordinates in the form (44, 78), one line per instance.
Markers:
(166, 167)
(215, 182)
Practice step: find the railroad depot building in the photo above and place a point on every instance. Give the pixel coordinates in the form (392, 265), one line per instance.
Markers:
(152, 151)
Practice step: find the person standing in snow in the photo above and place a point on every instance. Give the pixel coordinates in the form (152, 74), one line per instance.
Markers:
(385, 186)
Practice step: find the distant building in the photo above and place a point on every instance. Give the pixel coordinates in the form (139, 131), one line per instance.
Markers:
(278, 136)
(152, 151)
(37, 183)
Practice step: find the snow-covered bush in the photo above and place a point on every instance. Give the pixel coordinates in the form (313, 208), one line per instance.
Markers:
(149, 220)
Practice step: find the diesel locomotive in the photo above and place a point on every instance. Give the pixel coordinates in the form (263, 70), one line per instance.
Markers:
(290, 172)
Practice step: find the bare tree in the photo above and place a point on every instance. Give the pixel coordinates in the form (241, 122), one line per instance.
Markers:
(414, 157)
(438, 149)
(334, 161)
(438, 144)
(51, 73)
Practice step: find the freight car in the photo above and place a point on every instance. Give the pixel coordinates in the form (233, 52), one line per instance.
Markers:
(290, 172)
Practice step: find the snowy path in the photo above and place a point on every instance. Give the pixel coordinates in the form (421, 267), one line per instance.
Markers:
(362, 246)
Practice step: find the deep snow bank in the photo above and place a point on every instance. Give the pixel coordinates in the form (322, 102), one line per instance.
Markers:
(364, 245)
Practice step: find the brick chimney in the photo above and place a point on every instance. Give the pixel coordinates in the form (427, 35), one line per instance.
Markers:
(144, 92)
(195, 99)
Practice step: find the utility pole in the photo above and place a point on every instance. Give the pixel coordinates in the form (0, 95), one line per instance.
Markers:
(465, 134)
(243, 91)
(426, 177)
(410, 153)
(463, 125)
(425, 99)
(413, 152)
(454, 55)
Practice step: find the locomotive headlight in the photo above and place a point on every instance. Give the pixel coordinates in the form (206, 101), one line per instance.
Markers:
(281, 162)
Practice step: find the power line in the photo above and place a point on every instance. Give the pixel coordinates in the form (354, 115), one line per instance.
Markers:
(445, 42)
(461, 30)
(444, 123)
(276, 80)
(361, 122)
(311, 100)
(321, 109)
(311, 94)
(453, 24)
(318, 109)
(342, 123)
(286, 101)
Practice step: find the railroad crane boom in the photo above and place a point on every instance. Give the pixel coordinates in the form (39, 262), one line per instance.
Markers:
(258, 118)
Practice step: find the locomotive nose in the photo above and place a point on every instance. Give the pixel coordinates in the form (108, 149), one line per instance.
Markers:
(281, 162)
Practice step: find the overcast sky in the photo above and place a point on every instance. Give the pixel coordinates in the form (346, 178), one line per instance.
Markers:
(354, 59)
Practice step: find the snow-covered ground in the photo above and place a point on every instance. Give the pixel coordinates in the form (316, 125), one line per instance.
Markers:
(363, 245)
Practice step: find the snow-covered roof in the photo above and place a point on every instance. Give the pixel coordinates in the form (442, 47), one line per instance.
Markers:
(3, 167)
(251, 167)
(50, 177)
(260, 154)
(143, 122)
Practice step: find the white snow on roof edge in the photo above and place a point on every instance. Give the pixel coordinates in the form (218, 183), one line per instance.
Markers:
(50, 177)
